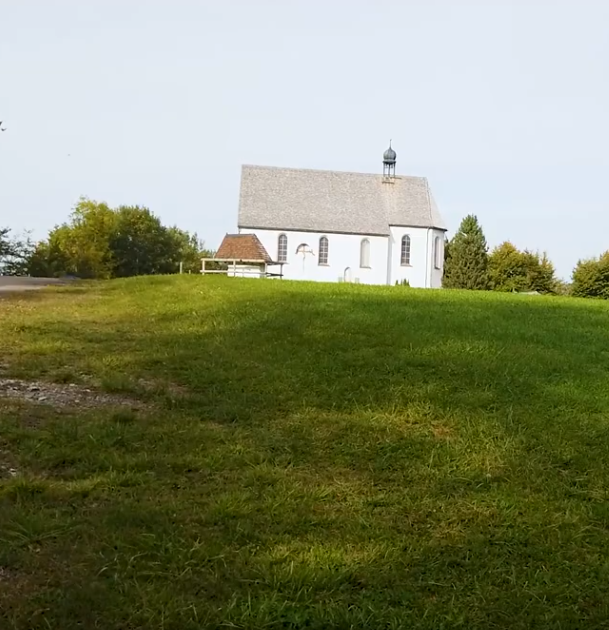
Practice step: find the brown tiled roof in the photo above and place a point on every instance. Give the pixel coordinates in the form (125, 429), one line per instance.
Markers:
(242, 247)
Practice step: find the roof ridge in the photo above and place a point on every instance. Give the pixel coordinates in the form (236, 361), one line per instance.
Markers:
(321, 170)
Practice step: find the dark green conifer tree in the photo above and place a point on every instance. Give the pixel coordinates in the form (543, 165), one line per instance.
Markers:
(467, 264)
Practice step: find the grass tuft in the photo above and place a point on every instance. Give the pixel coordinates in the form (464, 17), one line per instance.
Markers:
(124, 416)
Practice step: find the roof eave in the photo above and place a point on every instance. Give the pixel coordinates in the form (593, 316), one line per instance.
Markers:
(420, 227)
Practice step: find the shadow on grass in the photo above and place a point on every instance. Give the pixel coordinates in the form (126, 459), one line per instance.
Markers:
(533, 368)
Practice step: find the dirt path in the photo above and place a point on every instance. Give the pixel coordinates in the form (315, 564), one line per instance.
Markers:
(16, 284)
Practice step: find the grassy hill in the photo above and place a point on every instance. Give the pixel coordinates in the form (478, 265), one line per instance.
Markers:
(305, 456)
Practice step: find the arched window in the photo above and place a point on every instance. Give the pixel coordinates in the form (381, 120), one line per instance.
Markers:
(405, 257)
(282, 248)
(437, 252)
(364, 253)
(323, 251)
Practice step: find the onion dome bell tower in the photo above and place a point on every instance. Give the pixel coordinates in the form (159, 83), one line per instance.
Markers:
(389, 160)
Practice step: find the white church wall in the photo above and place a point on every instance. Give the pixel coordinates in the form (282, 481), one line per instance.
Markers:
(419, 272)
(343, 256)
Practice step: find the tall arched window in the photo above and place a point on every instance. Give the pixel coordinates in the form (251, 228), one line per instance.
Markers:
(405, 257)
(282, 248)
(323, 251)
(437, 252)
(364, 253)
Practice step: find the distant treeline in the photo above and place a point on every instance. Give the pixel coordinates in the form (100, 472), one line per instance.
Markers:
(469, 265)
(102, 242)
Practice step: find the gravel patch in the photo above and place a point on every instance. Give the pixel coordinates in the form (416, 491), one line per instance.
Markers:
(61, 395)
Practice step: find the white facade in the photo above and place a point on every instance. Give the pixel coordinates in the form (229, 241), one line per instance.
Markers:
(406, 254)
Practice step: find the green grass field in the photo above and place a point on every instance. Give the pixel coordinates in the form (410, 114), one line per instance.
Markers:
(309, 456)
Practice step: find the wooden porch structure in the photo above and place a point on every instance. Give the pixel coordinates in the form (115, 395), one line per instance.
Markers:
(243, 267)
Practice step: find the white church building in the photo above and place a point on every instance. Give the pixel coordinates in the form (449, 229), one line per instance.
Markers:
(332, 226)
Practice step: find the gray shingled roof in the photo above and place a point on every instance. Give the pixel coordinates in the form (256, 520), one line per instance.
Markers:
(328, 201)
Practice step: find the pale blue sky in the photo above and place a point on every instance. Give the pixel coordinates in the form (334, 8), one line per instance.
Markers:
(502, 104)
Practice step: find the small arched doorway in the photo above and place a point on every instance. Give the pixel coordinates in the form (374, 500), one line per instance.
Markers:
(347, 275)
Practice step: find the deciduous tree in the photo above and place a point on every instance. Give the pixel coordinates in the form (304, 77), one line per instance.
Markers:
(101, 242)
(14, 253)
(591, 278)
(513, 270)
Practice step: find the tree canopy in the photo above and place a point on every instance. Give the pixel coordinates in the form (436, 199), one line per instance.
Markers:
(5, 245)
(14, 253)
(591, 277)
(102, 242)
(513, 270)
